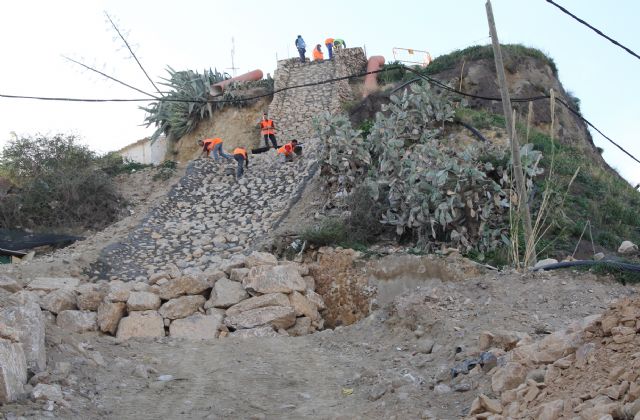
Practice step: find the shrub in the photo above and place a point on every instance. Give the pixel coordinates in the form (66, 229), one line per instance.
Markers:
(60, 185)
(424, 186)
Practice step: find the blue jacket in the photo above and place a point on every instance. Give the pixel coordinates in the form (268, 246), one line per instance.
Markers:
(300, 43)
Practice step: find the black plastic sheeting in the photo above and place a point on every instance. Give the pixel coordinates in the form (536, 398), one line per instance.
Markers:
(17, 240)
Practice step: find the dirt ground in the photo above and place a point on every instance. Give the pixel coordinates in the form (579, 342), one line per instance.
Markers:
(384, 366)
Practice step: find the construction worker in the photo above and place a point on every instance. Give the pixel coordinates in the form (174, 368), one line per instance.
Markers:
(329, 44)
(317, 53)
(339, 44)
(301, 46)
(268, 131)
(240, 155)
(288, 149)
(214, 145)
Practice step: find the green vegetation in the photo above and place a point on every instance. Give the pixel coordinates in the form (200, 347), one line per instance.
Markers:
(61, 185)
(596, 195)
(113, 164)
(178, 116)
(512, 54)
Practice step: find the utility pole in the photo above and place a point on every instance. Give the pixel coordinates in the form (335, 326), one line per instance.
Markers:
(530, 252)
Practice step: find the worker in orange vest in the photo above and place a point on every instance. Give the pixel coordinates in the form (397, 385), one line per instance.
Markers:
(317, 53)
(329, 44)
(268, 130)
(288, 149)
(213, 145)
(240, 155)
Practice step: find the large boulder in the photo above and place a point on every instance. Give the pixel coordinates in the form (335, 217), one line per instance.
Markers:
(9, 284)
(77, 321)
(141, 324)
(181, 307)
(196, 327)
(274, 279)
(316, 299)
(628, 248)
(143, 301)
(271, 299)
(226, 293)
(303, 306)
(28, 320)
(508, 377)
(256, 259)
(278, 316)
(13, 371)
(49, 284)
(184, 285)
(109, 316)
(89, 297)
(59, 300)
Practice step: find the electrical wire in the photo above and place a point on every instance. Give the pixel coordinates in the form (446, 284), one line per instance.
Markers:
(419, 75)
(599, 32)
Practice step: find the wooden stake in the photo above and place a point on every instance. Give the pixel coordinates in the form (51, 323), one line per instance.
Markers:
(530, 253)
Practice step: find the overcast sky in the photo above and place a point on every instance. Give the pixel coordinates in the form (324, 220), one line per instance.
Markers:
(197, 35)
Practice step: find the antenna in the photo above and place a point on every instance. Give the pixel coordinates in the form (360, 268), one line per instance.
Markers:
(233, 67)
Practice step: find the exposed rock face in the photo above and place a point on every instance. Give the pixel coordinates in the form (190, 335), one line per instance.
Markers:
(141, 324)
(277, 316)
(181, 307)
(77, 321)
(143, 301)
(196, 327)
(28, 321)
(109, 315)
(226, 293)
(274, 279)
(271, 299)
(13, 371)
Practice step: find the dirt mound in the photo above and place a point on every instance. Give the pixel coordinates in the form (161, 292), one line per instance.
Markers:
(235, 126)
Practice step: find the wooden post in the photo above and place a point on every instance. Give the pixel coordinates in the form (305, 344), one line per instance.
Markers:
(530, 252)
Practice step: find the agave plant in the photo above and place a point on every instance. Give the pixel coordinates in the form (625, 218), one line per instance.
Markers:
(184, 105)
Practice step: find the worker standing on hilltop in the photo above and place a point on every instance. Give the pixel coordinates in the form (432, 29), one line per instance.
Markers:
(240, 155)
(213, 145)
(268, 131)
(339, 44)
(317, 53)
(288, 149)
(301, 46)
(329, 44)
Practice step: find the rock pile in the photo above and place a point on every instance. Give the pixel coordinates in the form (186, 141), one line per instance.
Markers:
(591, 370)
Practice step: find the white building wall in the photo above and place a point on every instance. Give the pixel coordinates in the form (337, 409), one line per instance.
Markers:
(146, 152)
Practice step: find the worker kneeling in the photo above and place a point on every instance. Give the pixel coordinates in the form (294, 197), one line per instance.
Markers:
(288, 150)
(240, 155)
(213, 145)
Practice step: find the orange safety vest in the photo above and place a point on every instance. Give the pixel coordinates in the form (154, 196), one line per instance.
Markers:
(287, 149)
(266, 127)
(209, 143)
(317, 55)
(240, 151)
(328, 41)
(217, 140)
